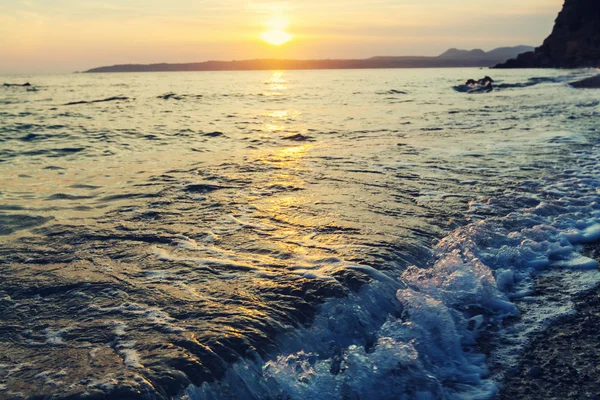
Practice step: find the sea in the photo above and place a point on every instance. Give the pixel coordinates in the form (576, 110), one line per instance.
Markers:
(289, 235)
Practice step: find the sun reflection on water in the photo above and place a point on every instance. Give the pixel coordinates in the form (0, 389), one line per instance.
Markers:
(277, 84)
(277, 77)
(272, 128)
(291, 153)
(283, 201)
(278, 114)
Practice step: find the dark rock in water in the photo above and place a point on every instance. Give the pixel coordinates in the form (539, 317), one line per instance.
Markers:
(573, 43)
(483, 85)
(116, 98)
(299, 138)
(589, 83)
(485, 81)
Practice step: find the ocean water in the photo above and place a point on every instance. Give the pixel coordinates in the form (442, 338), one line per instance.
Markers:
(371, 234)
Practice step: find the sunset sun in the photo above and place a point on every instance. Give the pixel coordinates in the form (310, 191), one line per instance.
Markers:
(275, 33)
(276, 37)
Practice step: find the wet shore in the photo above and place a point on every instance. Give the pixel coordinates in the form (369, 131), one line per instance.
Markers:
(563, 361)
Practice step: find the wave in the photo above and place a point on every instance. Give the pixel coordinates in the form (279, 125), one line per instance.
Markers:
(10, 223)
(417, 333)
(115, 98)
(298, 138)
(175, 96)
(518, 85)
(535, 81)
(393, 91)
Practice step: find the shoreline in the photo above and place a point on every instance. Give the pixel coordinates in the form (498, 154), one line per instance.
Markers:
(563, 360)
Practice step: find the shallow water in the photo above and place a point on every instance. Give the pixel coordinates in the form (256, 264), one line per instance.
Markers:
(335, 234)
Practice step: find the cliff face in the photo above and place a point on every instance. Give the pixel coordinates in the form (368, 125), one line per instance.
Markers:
(574, 42)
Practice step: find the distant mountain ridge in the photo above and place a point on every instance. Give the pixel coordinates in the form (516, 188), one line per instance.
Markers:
(501, 53)
(451, 58)
(468, 54)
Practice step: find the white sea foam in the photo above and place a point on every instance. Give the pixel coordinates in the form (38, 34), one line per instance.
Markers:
(357, 347)
(131, 357)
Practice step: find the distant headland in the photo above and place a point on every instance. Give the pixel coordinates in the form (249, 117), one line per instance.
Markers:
(452, 58)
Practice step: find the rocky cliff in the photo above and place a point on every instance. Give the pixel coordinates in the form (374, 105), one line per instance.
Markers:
(573, 43)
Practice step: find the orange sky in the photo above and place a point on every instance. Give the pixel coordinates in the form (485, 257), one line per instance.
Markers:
(69, 35)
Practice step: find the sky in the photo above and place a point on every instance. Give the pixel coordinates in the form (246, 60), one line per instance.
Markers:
(72, 35)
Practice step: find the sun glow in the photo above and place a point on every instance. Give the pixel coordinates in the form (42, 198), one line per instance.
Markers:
(276, 37)
(276, 34)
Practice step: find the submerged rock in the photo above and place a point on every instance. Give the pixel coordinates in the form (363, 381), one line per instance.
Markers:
(573, 43)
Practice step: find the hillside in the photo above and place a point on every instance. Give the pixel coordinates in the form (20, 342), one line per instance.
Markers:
(450, 59)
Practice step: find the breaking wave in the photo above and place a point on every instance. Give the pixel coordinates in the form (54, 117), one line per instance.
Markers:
(416, 334)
